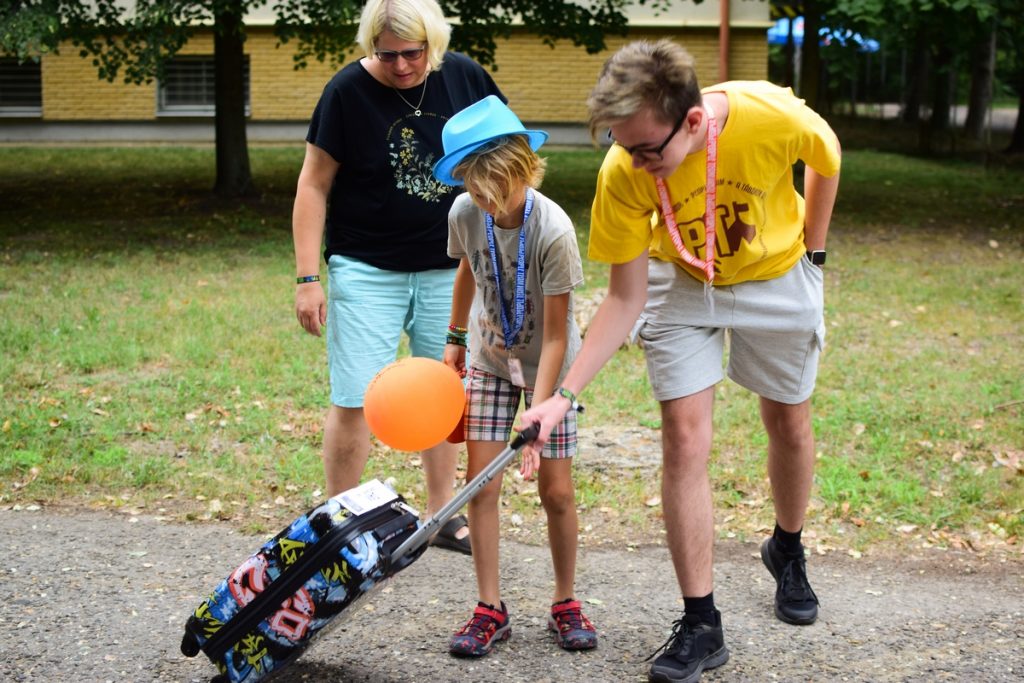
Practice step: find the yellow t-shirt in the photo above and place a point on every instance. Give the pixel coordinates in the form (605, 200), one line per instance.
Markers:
(760, 213)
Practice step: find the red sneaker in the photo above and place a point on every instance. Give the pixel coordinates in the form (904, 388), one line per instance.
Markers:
(486, 627)
(573, 631)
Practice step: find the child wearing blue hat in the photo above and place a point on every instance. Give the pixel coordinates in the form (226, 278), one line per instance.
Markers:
(519, 263)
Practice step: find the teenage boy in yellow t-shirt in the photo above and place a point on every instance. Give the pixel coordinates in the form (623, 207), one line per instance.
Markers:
(752, 264)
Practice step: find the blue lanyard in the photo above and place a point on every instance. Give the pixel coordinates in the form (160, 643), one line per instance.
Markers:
(511, 330)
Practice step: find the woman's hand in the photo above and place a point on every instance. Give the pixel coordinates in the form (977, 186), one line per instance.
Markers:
(311, 307)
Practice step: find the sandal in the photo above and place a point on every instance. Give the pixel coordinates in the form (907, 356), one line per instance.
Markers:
(446, 537)
(486, 627)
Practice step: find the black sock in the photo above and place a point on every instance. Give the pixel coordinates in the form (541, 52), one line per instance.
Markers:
(703, 608)
(788, 541)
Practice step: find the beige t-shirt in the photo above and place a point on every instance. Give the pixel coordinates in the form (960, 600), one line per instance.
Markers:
(553, 266)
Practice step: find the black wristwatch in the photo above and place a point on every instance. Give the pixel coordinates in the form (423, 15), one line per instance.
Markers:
(817, 257)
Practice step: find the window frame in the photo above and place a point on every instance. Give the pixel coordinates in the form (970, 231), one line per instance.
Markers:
(202, 66)
(30, 77)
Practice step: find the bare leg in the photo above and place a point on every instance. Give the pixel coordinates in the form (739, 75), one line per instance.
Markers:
(790, 459)
(686, 489)
(484, 527)
(346, 448)
(439, 465)
(559, 500)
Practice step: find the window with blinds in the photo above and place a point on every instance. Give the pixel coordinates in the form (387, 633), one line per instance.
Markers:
(187, 88)
(21, 88)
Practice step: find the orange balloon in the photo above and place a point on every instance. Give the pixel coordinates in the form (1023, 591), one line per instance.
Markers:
(414, 403)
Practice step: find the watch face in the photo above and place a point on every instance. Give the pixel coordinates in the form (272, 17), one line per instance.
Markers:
(817, 257)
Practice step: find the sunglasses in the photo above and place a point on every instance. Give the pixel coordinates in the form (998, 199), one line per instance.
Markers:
(650, 153)
(410, 55)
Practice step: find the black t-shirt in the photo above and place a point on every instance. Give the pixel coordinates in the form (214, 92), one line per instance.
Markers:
(385, 206)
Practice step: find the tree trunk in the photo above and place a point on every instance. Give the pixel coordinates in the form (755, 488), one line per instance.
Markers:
(790, 53)
(942, 91)
(942, 98)
(234, 176)
(1017, 139)
(983, 69)
(917, 79)
(810, 55)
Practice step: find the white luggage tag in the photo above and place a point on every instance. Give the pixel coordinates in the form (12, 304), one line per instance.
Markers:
(365, 497)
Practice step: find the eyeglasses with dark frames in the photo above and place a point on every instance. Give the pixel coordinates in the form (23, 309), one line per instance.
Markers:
(650, 153)
(410, 55)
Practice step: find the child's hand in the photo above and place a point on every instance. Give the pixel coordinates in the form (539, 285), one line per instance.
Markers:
(531, 461)
(455, 358)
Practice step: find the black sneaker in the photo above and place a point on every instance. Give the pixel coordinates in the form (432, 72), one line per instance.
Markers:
(795, 602)
(693, 647)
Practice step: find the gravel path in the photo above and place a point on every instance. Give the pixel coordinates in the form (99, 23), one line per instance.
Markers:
(102, 597)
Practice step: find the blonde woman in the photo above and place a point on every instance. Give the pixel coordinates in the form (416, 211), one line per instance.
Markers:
(367, 203)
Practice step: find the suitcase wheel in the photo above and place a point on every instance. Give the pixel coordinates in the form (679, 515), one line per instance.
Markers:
(189, 645)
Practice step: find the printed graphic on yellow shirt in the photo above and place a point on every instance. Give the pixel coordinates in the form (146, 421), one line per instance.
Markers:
(735, 222)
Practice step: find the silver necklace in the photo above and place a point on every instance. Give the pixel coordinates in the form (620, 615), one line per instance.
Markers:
(415, 108)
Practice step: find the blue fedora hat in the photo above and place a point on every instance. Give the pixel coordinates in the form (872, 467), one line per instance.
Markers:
(475, 126)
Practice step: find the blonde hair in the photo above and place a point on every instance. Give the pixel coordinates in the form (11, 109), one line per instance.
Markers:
(641, 74)
(500, 167)
(417, 21)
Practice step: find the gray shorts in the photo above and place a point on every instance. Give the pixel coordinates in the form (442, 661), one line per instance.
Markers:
(776, 333)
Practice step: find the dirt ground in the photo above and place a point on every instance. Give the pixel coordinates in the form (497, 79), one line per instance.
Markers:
(90, 596)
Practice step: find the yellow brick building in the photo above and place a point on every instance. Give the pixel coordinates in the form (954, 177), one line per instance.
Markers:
(545, 86)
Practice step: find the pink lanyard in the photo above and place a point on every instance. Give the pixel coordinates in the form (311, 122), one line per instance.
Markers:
(710, 209)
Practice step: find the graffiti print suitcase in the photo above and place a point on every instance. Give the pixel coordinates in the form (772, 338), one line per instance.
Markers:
(271, 607)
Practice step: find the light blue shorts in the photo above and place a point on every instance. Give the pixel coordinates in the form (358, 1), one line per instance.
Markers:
(367, 311)
(776, 333)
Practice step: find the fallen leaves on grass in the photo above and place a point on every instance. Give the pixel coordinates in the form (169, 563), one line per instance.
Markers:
(32, 474)
(1011, 460)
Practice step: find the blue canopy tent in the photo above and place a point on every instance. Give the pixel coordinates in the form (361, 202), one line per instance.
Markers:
(856, 76)
(779, 32)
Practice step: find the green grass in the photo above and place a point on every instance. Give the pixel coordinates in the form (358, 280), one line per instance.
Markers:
(150, 355)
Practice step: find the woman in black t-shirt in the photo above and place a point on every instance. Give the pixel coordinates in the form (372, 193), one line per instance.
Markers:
(366, 194)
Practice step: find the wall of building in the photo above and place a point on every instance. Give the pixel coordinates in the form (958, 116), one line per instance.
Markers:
(544, 85)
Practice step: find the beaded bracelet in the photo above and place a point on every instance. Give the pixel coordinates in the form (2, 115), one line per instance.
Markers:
(307, 278)
(455, 329)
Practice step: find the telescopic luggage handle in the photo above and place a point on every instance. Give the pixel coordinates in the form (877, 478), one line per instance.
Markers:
(493, 468)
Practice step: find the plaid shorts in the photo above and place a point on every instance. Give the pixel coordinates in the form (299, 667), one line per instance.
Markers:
(491, 406)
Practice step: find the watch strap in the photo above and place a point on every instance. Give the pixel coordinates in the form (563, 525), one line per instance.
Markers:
(574, 402)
